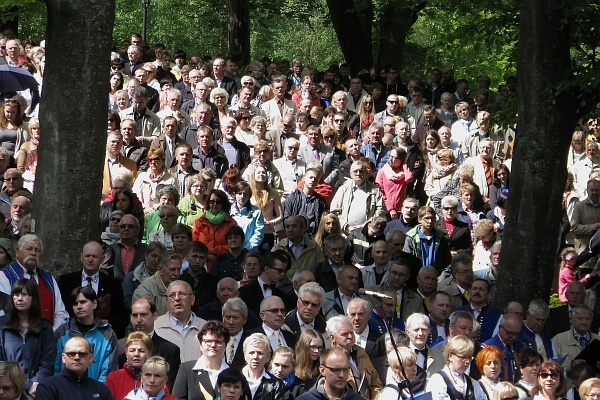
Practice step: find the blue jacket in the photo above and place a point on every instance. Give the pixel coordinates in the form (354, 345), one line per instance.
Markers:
(103, 341)
(65, 385)
(253, 224)
(382, 157)
(35, 354)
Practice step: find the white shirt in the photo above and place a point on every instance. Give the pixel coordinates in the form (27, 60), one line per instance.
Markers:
(361, 338)
(271, 334)
(302, 324)
(266, 292)
(95, 280)
(254, 383)
(212, 374)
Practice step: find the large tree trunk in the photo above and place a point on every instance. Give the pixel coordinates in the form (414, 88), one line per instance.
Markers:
(352, 23)
(73, 119)
(238, 28)
(537, 182)
(394, 26)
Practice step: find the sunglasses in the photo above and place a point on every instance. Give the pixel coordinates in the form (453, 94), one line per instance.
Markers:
(127, 226)
(115, 219)
(215, 202)
(546, 375)
(73, 354)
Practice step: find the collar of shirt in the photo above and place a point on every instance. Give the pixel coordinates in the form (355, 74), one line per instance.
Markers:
(94, 277)
(201, 364)
(312, 324)
(292, 244)
(176, 322)
(270, 331)
(364, 334)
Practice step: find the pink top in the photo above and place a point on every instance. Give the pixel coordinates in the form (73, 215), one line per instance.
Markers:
(565, 277)
(393, 185)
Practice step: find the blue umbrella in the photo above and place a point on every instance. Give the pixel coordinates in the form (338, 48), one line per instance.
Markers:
(14, 79)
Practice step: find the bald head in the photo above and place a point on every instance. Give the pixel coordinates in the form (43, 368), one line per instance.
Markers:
(91, 258)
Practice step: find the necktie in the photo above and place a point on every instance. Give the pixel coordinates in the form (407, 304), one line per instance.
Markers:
(422, 351)
(509, 359)
(89, 282)
(582, 339)
(489, 174)
(466, 294)
(426, 300)
(307, 326)
(278, 338)
(267, 286)
(231, 352)
(317, 156)
(31, 274)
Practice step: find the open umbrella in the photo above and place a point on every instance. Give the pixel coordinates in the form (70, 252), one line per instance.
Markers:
(14, 79)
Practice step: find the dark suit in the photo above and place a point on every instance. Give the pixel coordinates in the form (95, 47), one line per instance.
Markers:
(460, 239)
(291, 321)
(214, 312)
(238, 359)
(290, 338)
(128, 70)
(137, 152)
(185, 90)
(327, 278)
(227, 83)
(112, 260)
(188, 381)
(327, 158)
(375, 347)
(161, 347)
(161, 143)
(252, 295)
(559, 320)
(107, 286)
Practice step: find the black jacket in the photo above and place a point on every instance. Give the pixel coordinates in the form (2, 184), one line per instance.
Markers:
(316, 393)
(65, 385)
(269, 389)
(313, 207)
(203, 285)
(220, 163)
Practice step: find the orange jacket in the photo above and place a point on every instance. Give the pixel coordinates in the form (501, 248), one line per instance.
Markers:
(213, 236)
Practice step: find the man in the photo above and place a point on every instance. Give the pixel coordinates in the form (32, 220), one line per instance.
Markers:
(363, 377)
(227, 288)
(245, 99)
(375, 149)
(359, 311)
(295, 77)
(486, 315)
(183, 168)
(357, 200)
(273, 269)
(204, 285)
(416, 108)
(272, 314)
(340, 102)
(154, 289)
(391, 110)
(533, 334)
(299, 278)
(383, 316)
(168, 141)
(201, 93)
(439, 311)
(291, 168)
(355, 93)
(434, 90)
(13, 51)
(173, 109)
(185, 85)
(336, 300)
(585, 220)
(276, 108)
(73, 382)
(223, 81)
(352, 148)
(20, 206)
(315, 151)
(506, 342)
(334, 374)
(484, 165)
(361, 240)
(209, 154)
(490, 273)
(376, 273)
(328, 270)
(231, 263)
(430, 122)
(132, 148)
(235, 315)
(408, 217)
(407, 301)
(558, 321)
(582, 169)
(470, 146)
(114, 161)
(459, 284)
(180, 325)
(147, 122)
(427, 278)
(304, 251)
(281, 135)
(392, 84)
(460, 94)
(28, 252)
(237, 152)
(128, 252)
(428, 243)
(418, 329)
(143, 315)
(307, 315)
(108, 289)
(572, 342)
(134, 57)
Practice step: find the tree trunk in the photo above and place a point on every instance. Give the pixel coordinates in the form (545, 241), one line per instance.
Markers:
(238, 28)
(537, 181)
(73, 119)
(10, 20)
(394, 25)
(352, 23)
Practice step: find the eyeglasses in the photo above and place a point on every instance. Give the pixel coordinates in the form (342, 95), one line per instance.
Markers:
(246, 117)
(167, 216)
(154, 159)
(212, 201)
(328, 137)
(275, 310)
(339, 121)
(248, 83)
(337, 371)
(462, 358)
(309, 303)
(393, 101)
(261, 151)
(128, 226)
(513, 334)
(511, 398)
(213, 342)
(316, 348)
(546, 375)
(175, 294)
(593, 396)
(449, 208)
(115, 219)
(73, 354)
(288, 125)
(281, 271)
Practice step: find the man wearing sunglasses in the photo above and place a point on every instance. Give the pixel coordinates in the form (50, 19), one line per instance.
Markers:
(272, 313)
(506, 342)
(307, 314)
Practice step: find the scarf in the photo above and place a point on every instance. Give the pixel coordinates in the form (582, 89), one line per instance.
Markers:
(288, 381)
(366, 121)
(431, 151)
(440, 171)
(156, 178)
(215, 219)
(135, 371)
(392, 175)
(111, 235)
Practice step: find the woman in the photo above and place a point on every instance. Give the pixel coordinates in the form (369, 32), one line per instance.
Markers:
(181, 235)
(122, 200)
(262, 157)
(305, 92)
(13, 130)
(489, 361)
(155, 251)
(443, 171)
(566, 274)
(231, 385)
(550, 384)
(211, 228)
(468, 210)
(248, 216)
(452, 382)
(505, 391)
(393, 180)
(138, 348)
(7, 252)
(190, 382)
(230, 178)
(191, 206)
(309, 348)
(219, 97)
(579, 373)
(243, 132)
(113, 122)
(262, 384)
(282, 367)
(85, 324)
(498, 214)
(366, 115)
(157, 174)
(258, 125)
(590, 389)
(301, 128)
(154, 378)
(486, 236)
(430, 148)
(28, 156)
(464, 175)
(168, 219)
(529, 366)
(116, 84)
(329, 224)
(409, 366)
(252, 263)
(12, 376)
(577, 148)
(121, 100)
(268, 201)
(26, 337)
(500, 185)
(151, 76)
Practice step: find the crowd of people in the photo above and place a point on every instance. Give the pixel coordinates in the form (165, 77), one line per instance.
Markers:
(272, 231)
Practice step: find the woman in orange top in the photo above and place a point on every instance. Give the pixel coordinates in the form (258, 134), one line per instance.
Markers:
(211, 228)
